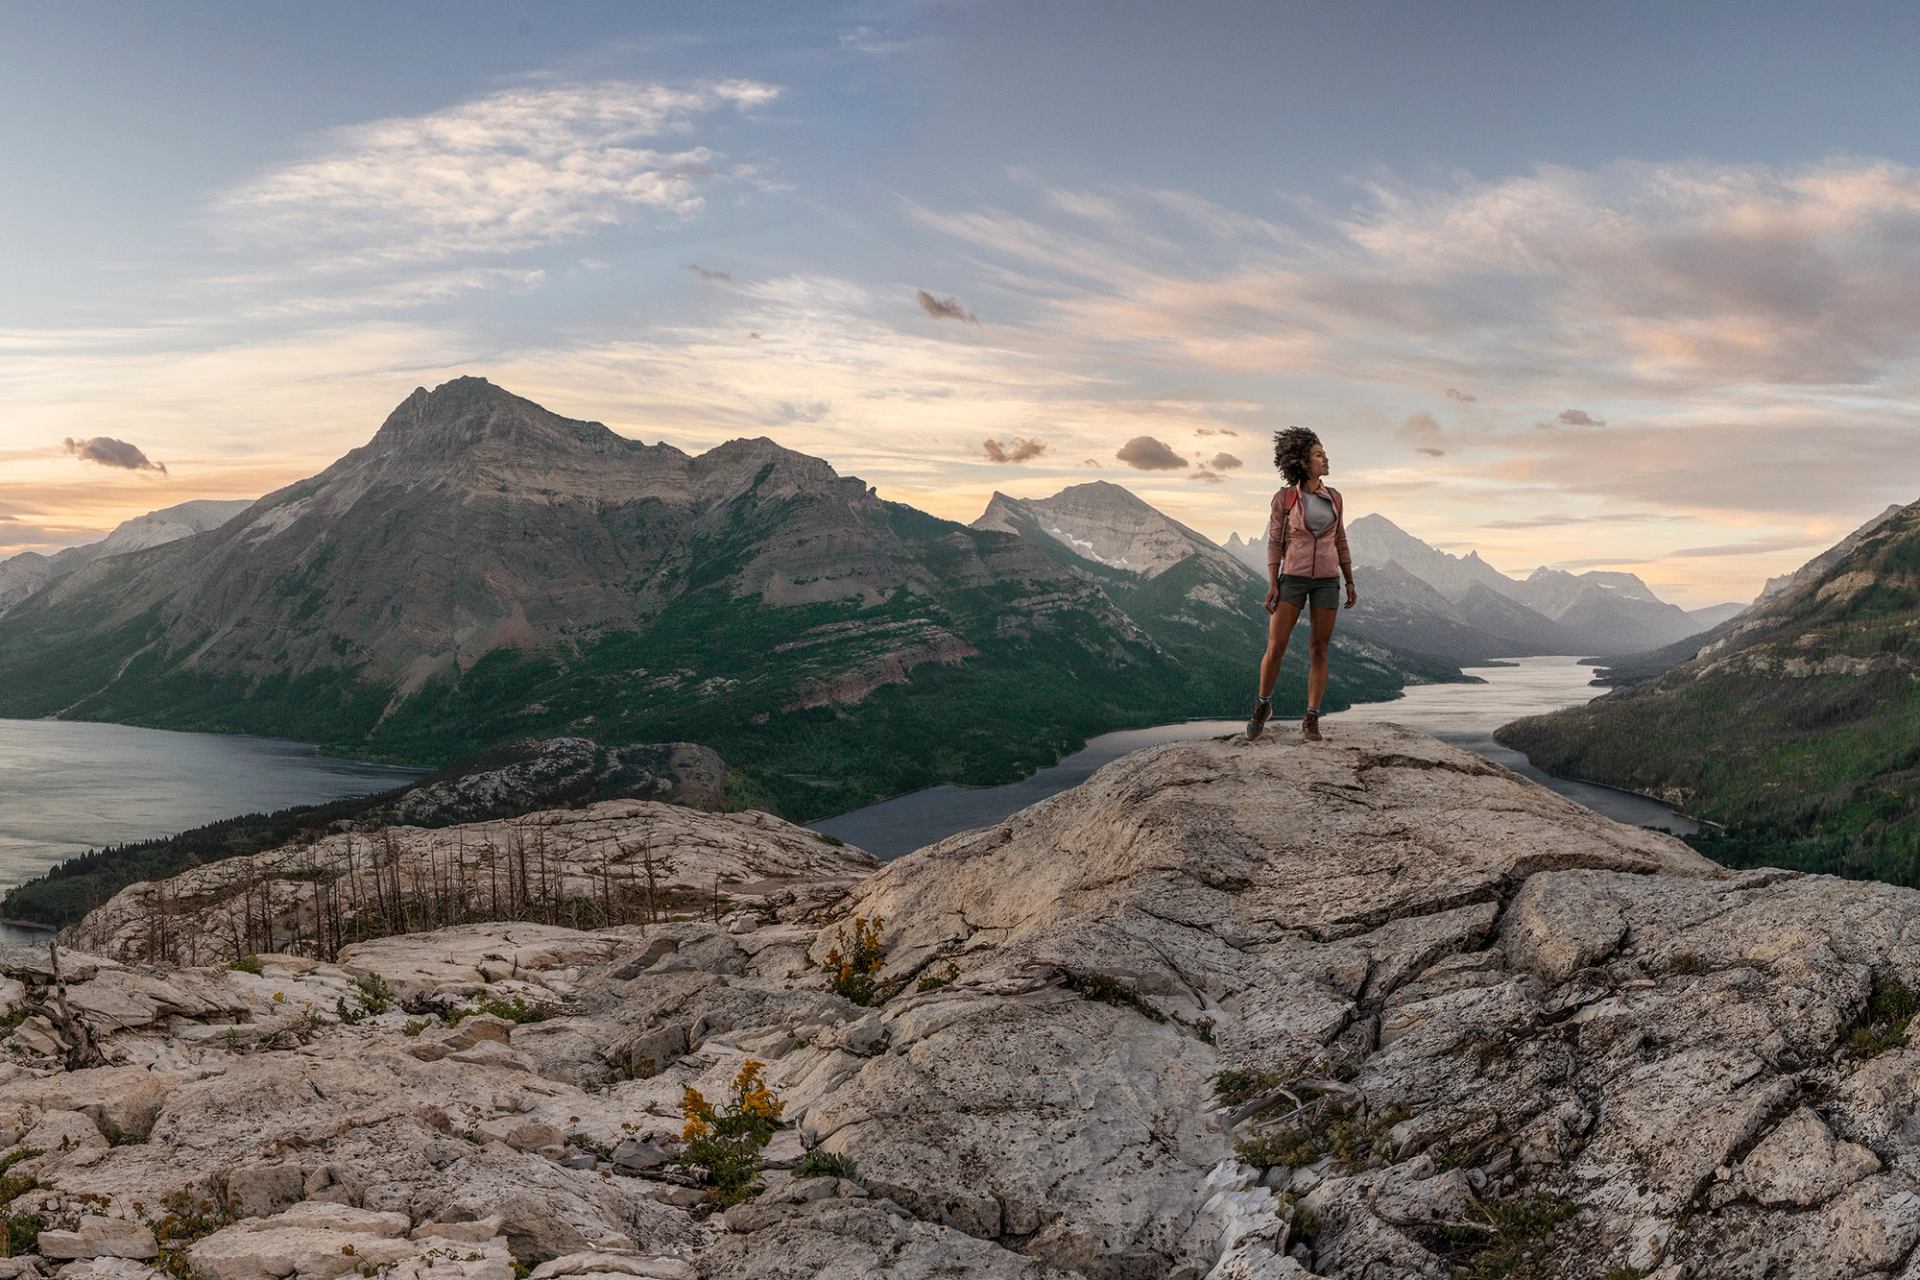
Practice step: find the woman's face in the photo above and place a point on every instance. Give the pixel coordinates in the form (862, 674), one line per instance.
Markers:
(1317, 461)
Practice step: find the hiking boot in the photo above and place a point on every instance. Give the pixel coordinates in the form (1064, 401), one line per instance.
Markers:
(1310, 727)
(1257, 722)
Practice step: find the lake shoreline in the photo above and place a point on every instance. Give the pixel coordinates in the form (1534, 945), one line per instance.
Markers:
(1463, 714)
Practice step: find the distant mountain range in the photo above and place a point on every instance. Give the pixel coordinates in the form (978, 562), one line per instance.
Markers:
(1796, 723)
(1482, 613)
(484, 570)
(1196, 600)
(28, 572)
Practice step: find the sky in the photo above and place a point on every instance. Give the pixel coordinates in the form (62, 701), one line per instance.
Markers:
(1627, 286)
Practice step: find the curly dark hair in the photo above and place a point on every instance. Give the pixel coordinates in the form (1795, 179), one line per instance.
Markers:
(1290, 450)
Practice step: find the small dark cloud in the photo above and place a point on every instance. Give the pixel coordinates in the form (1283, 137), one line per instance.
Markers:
(1573, 418)
(711, 277)
(1224, 462)
(755, 333)
(1016, 449)
(1464, 397)
(1144, 453)
(944, 308)
(109, 452)
(1420, 427)
(1215, 431)
(1210, 477)
(1431, 452)
(788, 412)
(1089, 463)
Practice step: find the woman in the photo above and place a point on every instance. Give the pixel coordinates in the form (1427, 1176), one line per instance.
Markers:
(1306, 539)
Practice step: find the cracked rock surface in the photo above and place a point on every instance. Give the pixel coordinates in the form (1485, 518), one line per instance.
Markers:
(1373, 1007)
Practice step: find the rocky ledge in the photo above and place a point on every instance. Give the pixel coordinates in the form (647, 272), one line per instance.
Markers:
(1368, 1008)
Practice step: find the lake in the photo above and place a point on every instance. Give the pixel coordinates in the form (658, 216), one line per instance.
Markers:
(1462, 714)
(67, 786)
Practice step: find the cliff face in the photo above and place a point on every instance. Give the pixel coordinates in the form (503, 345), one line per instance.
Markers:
(1374, 1007)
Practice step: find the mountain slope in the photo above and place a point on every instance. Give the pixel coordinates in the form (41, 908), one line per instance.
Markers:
(1202, 603)
(1107, 524)
(26, 573)
(484, 570)
(1374, 539)
(1813, 567)
(1798, 726)
(1604, 617)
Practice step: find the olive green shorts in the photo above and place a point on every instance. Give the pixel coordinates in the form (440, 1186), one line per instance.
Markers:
(1297, 591)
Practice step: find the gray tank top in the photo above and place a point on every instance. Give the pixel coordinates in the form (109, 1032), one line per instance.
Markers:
(1319, 513)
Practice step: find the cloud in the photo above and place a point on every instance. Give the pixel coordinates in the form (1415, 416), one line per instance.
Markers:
(1423, 432)
(1576, 418)
(1215, 431)
(1089, 463)
(787, 412)
(1595, 562)
(1016, 449)
(944, 308)
(522, 167)
(1753, 547)
(1209, 477)
(1224, 462)
(864, 39)
(109, 452)
(1605, 517)
(1144, 453)
(711, 277)
(1465, 397)
(396, 295)
(1431, 452)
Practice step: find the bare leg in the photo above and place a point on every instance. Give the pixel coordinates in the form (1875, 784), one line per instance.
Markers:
(1318, 642)
(1279, 630)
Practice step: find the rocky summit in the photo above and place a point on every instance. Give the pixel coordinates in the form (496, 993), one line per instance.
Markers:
(1373, 1007)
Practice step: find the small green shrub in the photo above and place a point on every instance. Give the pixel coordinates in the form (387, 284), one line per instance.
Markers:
(515, 1009)
(824, 1164)
(1687, 963)
(1109, 990)
(1882, 1025)
(248, 963)
(1355, 1138)
(1236, 1085)
(1509, 1247)
(186, 1220)
(934, 981)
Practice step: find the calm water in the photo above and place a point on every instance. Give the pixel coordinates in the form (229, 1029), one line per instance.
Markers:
(1463, 714)
(68, 786)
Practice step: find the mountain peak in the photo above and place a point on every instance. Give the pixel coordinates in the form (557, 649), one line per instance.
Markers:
(468, 414)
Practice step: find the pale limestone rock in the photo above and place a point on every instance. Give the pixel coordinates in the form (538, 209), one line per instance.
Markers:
(1517, 997)
(1801, 1164)
(99, 1237)
(319, 1241)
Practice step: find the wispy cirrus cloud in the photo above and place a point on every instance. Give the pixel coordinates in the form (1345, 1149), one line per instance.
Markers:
(522, 167)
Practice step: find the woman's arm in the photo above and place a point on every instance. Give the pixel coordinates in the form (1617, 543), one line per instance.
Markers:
(1276, 549)
(1346, 557)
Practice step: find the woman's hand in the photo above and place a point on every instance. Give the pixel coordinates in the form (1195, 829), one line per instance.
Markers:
(1352, 595)
(1273, 597)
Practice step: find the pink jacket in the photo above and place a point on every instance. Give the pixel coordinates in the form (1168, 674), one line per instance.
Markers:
(1308, 555)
